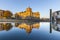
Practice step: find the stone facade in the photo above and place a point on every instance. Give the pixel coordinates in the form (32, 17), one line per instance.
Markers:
(27, 13)
(5, 14)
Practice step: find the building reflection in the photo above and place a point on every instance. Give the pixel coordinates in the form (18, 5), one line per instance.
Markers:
(5, 26)
(27, 27)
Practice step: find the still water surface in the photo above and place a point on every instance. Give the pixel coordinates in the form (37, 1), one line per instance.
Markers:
(41, 33)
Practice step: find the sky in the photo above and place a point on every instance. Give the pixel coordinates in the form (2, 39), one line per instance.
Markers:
(41, 6)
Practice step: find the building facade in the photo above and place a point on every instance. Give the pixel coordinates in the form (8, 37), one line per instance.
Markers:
(27, 14)
(5, 14)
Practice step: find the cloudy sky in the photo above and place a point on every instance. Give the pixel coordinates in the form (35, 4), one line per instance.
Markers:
(41, 6)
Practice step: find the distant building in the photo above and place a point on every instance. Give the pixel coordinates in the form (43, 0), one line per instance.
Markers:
(28, 14)
(5, 14)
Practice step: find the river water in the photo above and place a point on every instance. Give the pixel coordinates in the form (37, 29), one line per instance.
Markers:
(40, 33)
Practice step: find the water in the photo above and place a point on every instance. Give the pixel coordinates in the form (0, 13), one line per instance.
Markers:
(41, 33)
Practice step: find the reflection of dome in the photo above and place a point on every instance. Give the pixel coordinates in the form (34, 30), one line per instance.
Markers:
(29, 29)
(27, 26)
